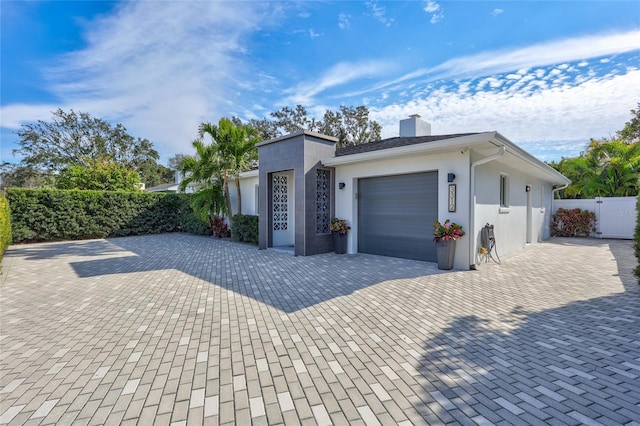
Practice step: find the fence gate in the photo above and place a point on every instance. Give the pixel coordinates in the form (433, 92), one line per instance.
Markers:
(615, 216)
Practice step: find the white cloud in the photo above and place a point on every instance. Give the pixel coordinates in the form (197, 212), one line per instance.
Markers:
(337, 75)
(538, 119)
(435, 10)
(538, 55)
(344, 21)
(496, 12)
(542, 54)
(158, 70)
(379, 13)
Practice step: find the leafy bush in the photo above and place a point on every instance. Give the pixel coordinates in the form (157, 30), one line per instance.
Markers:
(245, 228)
(219, 227)
(573, 223)
(50, 214)
(637, 237)
(5, 225)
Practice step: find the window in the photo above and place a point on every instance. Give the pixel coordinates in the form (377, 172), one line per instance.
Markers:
(504, 191)
(257, 200)
(323, 200)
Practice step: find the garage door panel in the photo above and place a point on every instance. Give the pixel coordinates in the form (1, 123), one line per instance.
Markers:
(396, 215)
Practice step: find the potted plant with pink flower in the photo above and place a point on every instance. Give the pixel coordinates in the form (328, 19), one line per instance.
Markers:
(339, 229)
(445, 236)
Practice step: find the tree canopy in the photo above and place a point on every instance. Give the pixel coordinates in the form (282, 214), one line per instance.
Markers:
(76, 138)
(98, 174)
(72, 141)
(351, 125)
(608, 168)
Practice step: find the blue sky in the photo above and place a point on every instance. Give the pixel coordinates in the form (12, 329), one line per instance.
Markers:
(547, 75)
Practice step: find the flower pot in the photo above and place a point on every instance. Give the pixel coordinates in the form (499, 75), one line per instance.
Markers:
(445, 252)
(339, 243)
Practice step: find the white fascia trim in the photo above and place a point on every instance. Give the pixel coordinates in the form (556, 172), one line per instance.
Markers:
(451, 144)
(556, 177)
(296, 134)
(249, 174)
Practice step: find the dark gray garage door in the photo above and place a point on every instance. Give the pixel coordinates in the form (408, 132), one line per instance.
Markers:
(396, 215)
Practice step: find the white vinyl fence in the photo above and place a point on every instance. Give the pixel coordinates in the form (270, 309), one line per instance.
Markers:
(615, 216)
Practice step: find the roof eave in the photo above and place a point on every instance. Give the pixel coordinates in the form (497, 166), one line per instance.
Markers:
(554, 176)
(296, 134)
(451, 144)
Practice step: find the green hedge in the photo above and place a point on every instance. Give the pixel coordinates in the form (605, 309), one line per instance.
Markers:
(245, 228)
(5, 225)
(51, 214)
(637, 237)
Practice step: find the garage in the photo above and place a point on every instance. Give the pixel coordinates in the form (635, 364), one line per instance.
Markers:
(396, 215)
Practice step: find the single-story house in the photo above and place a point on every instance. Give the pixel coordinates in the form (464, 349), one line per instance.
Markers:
(173, 187)
(391, 192)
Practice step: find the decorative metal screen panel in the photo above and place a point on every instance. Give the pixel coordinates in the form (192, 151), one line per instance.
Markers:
(323, 200)
(280, 203)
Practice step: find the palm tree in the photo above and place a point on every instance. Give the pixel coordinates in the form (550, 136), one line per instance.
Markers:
(618, 168)
(203, 170)
(234, 145)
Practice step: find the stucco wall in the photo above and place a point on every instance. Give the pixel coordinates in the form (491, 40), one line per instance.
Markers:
(456, 162)
(248, 191)
(511, 223)
(315, 150)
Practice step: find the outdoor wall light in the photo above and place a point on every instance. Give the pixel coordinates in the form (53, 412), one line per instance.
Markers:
(451, 177)
(341, 185)
(527, 188)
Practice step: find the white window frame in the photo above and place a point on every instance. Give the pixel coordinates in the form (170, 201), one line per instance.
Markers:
(504, 193)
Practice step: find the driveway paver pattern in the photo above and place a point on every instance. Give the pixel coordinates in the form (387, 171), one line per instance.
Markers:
(180, 329)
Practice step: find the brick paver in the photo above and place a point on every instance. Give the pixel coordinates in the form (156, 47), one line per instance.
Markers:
(180, 329)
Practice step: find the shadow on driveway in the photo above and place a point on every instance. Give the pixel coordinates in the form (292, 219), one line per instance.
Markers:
(575, 364)
(281, 280)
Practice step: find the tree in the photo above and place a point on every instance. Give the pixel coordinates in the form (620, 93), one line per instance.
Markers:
(203, 169)
(152, 174)
(608, 168)
(175, 163)
(17, 176)
(631, 131)
(235, 148)
(351, 125)
(76, 138)
(99, 174)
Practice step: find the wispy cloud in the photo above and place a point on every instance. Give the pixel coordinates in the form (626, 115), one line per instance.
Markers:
(435, 10)
(161, 68)
(344, 21)
(379, 13)
(534, 115)
(553, 52)
(496, 12)
(505, 60)
(337, 75)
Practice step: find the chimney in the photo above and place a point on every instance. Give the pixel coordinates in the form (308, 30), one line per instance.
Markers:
(413, 126)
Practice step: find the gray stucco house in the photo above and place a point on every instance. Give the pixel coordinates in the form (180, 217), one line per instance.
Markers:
(391, 191)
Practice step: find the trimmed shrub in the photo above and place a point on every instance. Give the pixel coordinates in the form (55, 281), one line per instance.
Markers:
(637, 237)
(5, 225)
(245, 228)
(52, 215)
(188, 221)
(573, 223)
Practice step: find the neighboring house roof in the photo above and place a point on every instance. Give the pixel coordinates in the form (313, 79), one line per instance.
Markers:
(167, 187)
(394, 143)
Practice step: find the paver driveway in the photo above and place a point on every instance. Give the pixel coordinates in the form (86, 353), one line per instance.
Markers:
(180, 329)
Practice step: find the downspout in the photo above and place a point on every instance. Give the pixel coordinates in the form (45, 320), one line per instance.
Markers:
(472, 203)
(553, 195)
